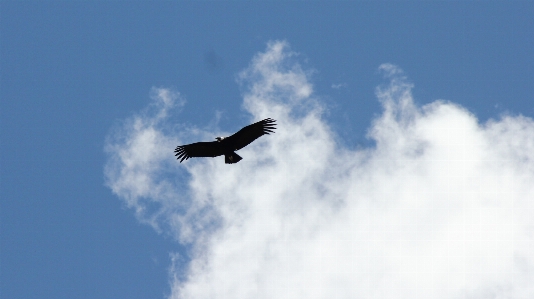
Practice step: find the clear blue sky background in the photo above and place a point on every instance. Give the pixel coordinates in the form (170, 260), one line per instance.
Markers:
(70, 71)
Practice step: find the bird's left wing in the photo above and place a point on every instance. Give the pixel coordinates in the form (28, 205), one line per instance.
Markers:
(251, 132)
(198, 149)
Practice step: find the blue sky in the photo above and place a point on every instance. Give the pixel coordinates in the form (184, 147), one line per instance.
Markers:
(361, 82)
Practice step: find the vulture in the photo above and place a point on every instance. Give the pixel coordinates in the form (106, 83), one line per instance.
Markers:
(226, 146)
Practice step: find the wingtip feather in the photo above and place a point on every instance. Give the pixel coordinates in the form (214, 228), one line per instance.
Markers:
(181, 154)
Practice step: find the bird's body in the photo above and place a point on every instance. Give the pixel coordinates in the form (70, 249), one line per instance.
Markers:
(226, 146)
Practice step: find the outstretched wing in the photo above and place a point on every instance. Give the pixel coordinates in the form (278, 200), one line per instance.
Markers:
(198, 149)
(250, 133)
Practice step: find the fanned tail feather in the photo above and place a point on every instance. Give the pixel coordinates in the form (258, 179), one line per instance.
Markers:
(232, 158)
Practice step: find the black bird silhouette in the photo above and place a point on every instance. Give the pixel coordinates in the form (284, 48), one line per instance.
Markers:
(226, 146)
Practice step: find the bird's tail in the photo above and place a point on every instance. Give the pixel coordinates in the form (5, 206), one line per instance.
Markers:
(232, 158)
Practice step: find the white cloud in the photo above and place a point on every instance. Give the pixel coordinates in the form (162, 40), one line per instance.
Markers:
(440, 208)
(339, 85)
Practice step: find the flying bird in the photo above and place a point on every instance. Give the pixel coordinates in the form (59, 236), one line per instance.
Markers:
(226, 146)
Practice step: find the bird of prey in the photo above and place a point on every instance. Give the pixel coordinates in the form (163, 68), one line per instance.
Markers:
(226, 146)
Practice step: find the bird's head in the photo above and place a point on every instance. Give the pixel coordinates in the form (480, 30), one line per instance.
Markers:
(219, 138)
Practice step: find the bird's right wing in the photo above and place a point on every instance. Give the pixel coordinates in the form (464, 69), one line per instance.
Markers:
(251, 132)
(198, 149)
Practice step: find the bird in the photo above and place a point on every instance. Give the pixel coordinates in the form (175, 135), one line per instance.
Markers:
(226, 146)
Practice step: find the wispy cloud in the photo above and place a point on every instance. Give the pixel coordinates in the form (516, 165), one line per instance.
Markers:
(439, 208)
(339, 85)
